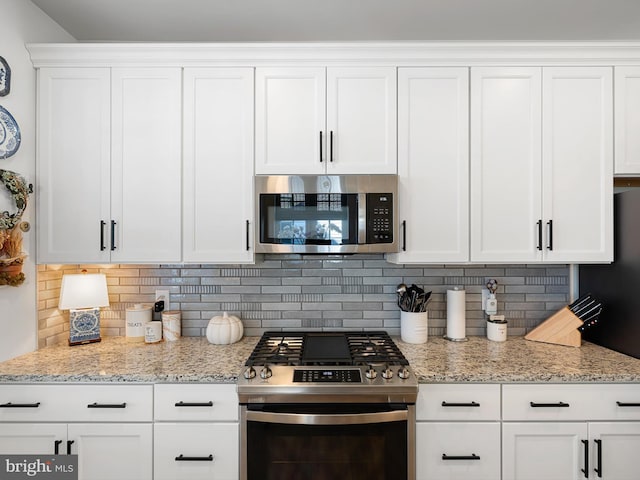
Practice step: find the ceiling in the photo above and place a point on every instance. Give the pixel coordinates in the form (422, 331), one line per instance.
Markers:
(346, 20)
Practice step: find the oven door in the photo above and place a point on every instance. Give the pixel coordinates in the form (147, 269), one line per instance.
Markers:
(328, 441)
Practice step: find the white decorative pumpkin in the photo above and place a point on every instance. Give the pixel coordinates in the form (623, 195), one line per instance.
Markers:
(225, 329)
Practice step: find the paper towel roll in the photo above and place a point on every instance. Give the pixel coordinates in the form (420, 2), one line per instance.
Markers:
(456, 314)
(171, 325)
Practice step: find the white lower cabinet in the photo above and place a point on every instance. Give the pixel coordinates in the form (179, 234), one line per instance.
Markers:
(108, 426)
(455, 451)
(196, 432)
(32, 438)
(458, 432)
(196, 451)
(567, 432)
(108, 451)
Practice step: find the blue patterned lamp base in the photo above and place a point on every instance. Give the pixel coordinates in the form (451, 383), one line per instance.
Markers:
(84, 326)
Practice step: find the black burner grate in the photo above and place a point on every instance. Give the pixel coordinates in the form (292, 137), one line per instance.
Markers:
(365, 348)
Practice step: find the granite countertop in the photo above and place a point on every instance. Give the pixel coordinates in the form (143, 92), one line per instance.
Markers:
(194, 359)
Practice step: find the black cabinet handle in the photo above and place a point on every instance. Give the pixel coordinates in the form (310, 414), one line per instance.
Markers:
(404, 235)
(102, 245)
(550, 228)
(331, 146)
(20, 405)
(473, 456)
(622, 404)
(182, 458)
(56, 447)
(585, 470)
(69, 443)
(598, 469)
(550, 405)
(539, 224)
(320, 146)
(195, 404)
(470, 404)
(247, 234)
(107, 405)
(113, 235)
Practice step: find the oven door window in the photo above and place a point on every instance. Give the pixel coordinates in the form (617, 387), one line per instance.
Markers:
(309, 218)
(373, 451)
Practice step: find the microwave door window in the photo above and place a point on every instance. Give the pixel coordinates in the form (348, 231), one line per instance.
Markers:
(309, 219)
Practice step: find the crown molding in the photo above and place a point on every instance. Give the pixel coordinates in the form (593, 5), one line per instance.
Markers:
(332, 54)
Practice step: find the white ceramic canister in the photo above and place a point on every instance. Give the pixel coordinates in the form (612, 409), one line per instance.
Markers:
(171, 325)
(152, 332)
(413, 326)
(497, 328)
(136, 317)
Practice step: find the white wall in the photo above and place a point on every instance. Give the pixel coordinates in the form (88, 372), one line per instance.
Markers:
(22, 22)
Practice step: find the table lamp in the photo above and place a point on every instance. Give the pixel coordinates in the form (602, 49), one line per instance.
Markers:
(83, 295)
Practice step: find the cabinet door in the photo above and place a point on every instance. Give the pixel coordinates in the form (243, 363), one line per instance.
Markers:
(505, 164)
(361, 120)
(615, 448)
(146, 164)
(112, 451)
(458, 451)
(290, 121)
(212, 450)
(218, 165)
(627, 120)
(433, 164)
(73, 169)
(32, 438)
(543, 451)
(578, 164)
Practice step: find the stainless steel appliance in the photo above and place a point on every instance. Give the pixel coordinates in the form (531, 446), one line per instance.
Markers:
(326, 213)
(327, 405)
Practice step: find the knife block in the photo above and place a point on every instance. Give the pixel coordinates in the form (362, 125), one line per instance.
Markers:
(560, 328)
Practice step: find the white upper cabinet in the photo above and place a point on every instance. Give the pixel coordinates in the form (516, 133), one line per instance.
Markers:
(627, 120)
(506, 163)
(146, 164)
(541, 164)
(314, 120)
(218, 165)
(433, 165)
(577, 164)
(109, 165)
(73, 167)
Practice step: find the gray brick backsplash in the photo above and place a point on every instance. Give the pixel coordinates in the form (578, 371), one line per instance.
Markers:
(309, 292)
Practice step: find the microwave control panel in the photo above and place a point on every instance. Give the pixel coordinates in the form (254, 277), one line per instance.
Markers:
(379, 218)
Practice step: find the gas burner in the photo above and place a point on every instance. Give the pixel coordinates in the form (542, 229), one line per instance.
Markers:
(326, 349)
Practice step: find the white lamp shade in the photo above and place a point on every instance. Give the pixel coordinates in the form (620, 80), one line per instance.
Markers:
(85, 290)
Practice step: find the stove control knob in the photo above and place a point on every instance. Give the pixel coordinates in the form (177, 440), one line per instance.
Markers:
(387, 373)
(370, 373)
(250, 373)
(404, 373)
(265, 372)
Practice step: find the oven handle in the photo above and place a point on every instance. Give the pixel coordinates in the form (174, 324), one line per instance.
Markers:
(324, 419)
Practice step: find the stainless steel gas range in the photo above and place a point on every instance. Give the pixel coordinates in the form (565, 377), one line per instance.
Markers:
(327, 405)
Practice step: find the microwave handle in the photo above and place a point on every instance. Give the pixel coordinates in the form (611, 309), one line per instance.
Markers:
(362, 218)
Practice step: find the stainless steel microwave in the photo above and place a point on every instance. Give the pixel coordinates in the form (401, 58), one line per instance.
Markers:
(326, 213)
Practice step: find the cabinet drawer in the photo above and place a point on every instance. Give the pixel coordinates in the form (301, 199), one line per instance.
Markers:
(458, 451)
(554, 402)
(196, 451)
(76, 403)
(458, 402)
(180, 402)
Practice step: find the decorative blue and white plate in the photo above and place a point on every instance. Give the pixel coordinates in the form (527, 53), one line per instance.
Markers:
(9, 134)
(5, 77)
